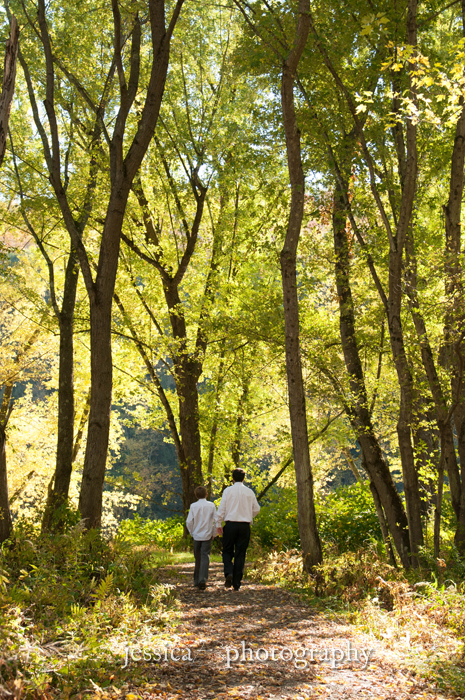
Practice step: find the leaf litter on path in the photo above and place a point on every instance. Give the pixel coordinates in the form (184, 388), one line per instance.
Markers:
(262, 643)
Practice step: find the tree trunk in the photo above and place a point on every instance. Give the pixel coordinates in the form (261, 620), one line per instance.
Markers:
(8, 88)
(448, 456)
(459, 419)
(58, 494)
(408, 167)
(453, 325)
(409, 473)
(236, 450)
(310, 540)
(93, 475)
(187, 376)
(359, 415)
(6, 526)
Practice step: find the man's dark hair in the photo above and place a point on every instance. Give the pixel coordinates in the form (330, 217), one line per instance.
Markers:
(201, 492)
(238, 474)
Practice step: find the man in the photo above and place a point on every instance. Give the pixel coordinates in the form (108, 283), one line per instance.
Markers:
(238, 508)
(201, 524)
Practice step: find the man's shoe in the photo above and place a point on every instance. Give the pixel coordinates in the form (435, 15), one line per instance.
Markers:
(236, 588)
(228, 581)
(202, 586)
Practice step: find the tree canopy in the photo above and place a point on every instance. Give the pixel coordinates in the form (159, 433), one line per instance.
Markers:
(231, 236)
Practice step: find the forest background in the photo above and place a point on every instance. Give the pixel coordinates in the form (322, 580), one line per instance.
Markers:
(231, 236)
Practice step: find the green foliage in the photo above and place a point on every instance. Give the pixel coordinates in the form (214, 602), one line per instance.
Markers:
(347, 518)
(70, 603)
(276, 524)
(163, 534)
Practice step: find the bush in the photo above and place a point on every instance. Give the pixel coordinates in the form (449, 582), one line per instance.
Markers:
(164, 534)
(69, 603)
(423, 621)
(276, 524)
(347, 518)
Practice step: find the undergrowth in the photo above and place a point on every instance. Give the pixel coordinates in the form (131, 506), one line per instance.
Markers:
(69, 606)
(420, 616)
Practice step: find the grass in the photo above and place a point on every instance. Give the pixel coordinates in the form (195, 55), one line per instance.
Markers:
(172, 558)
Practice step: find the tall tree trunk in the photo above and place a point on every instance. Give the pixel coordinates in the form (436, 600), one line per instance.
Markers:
(408, 167)
(409, 472)
(310, 541)
(6, 525)
(449, 461)
(58, 494)
(187, 377)
(8, 87)
(101, 373)
(359, 414)
(453, 325)
(101, 365)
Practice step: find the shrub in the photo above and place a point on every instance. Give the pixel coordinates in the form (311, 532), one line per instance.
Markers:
(347, 517)
(164, 534)
(276, 524)
(69, 603)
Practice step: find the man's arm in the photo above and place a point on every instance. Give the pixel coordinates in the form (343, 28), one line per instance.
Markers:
(255, 506)
(190, 521)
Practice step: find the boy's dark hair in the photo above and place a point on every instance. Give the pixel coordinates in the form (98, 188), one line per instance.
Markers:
(201, 492)
(238, 474)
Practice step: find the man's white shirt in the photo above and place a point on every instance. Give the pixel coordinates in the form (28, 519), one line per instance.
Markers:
(201, 520)
(238, 503)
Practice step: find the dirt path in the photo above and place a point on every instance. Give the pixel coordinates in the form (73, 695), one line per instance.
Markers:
(262, 643)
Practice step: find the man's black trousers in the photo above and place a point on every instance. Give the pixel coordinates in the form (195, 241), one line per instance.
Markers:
(236, 538)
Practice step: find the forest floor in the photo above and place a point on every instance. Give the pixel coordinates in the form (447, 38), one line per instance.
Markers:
(262, 642)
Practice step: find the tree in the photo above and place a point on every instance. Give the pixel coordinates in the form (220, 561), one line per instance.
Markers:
(290, 58)
(143, 63)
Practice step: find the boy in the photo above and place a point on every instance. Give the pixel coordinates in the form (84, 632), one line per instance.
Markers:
(201, 523)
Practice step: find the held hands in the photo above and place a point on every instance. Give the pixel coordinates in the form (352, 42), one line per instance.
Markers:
(220, 531)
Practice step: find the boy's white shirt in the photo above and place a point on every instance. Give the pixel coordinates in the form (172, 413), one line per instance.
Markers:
(201, 520)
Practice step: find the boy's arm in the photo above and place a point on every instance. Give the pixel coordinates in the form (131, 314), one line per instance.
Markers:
(214, 527)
